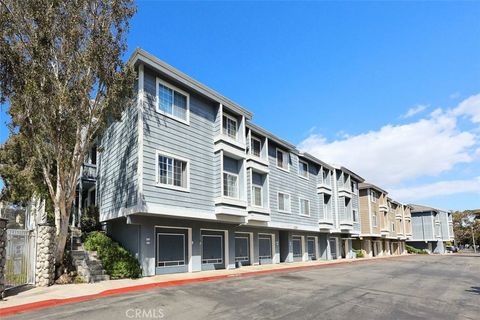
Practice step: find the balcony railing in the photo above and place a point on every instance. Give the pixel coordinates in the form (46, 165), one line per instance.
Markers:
(89, 171)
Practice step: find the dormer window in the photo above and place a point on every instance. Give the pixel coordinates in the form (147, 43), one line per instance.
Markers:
(303, 169)
(230, 126)
(325, 176)
(373, 194)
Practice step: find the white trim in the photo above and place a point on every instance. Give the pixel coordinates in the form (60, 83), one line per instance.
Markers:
(244, 235)
(289, 202)
(300, 207)
(261, 195)
(222, 249)
(308, 167)
(171, 87)
(301, 246)
(272, 245)
(175, 157)
(286, 157)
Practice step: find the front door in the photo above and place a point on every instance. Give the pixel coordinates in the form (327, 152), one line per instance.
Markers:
(265, 255)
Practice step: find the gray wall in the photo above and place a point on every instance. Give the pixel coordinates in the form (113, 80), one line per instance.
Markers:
(422, 227)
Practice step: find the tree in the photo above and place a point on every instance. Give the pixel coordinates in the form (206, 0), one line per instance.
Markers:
(63, 79)
(463, 224)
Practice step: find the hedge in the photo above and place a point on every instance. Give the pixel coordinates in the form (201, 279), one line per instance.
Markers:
(116, 260)
(411, 249)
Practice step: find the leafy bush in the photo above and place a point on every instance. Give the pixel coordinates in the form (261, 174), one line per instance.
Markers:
(411, 249)
(116, 260)
(90, 220)
(359, 253)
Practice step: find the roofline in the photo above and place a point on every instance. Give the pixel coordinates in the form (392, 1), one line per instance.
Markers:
(350, 172)
(287, 145)
(368, 185)
(145, 57)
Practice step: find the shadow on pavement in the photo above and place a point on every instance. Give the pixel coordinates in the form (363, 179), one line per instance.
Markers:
(474, 290)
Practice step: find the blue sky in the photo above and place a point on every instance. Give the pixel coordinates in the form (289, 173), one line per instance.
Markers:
(338, 79)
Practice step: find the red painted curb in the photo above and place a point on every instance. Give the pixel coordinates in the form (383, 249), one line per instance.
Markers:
(57, 302)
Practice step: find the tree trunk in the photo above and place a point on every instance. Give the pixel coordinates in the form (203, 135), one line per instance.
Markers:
(61, 224)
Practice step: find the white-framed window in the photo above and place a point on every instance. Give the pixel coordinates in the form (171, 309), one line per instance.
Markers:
(257, 196)
(374, 219)
(284, 202)
(354, 187)
(303, 169)
(172, 102)
(283, 160)
(304, 207)
(172, 171)
(355, 215)
(373, 195)
(325, 173)
(326, 211)
(230, 185)
(230, 126)
(255, 147)
(393, 226)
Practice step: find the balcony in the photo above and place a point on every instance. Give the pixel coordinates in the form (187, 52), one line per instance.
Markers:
(346, 225)
(344, 192)
(231, 147)
(230, 208)
(325, 224)
(257, 164)
(383, 207)
(324, 188)
(257, 214)
(88, 172)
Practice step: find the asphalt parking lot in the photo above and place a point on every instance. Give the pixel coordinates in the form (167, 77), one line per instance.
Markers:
(413, 287)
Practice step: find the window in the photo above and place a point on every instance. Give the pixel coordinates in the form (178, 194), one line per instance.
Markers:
(229, 126)
(257, 194)
(354, 187)
(355, 215)
(374, 219)
(373, 194)
(230, 185)
(256, 147)
(172, 172)
(283, 202)
(326, 211)
(282, 160)
(393, 226)
(303, 169)
(325, 176)
(172, 102)
(264, 246)
(304, 207)
(242, 248)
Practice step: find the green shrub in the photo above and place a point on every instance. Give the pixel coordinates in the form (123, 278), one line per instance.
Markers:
(116, 260)
(411, 249)
(359, 253)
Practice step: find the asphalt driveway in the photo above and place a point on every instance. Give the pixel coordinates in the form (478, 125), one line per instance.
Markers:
(414, 287)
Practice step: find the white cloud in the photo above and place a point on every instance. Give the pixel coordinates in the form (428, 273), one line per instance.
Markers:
(454, 95)
(440, 188)
(415, 110)
(397, 153)
(469, 107)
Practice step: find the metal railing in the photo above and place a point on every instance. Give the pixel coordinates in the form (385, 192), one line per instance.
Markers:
(20, 264)
(89, 171)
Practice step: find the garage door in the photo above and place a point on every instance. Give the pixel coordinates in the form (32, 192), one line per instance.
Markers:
(297, 248)
(213, 247)
(311, 247)
(265, 248)
(242, 248)
(172, 250)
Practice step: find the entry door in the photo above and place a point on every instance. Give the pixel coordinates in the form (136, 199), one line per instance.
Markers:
(297, 248)
(213, 250)
(312, 255)
(242, 248)
(333, 247)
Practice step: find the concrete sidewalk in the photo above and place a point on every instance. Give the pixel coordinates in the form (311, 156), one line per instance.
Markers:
(69, 292)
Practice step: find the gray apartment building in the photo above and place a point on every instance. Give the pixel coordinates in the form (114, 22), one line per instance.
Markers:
(186, 182)
(431, 228)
